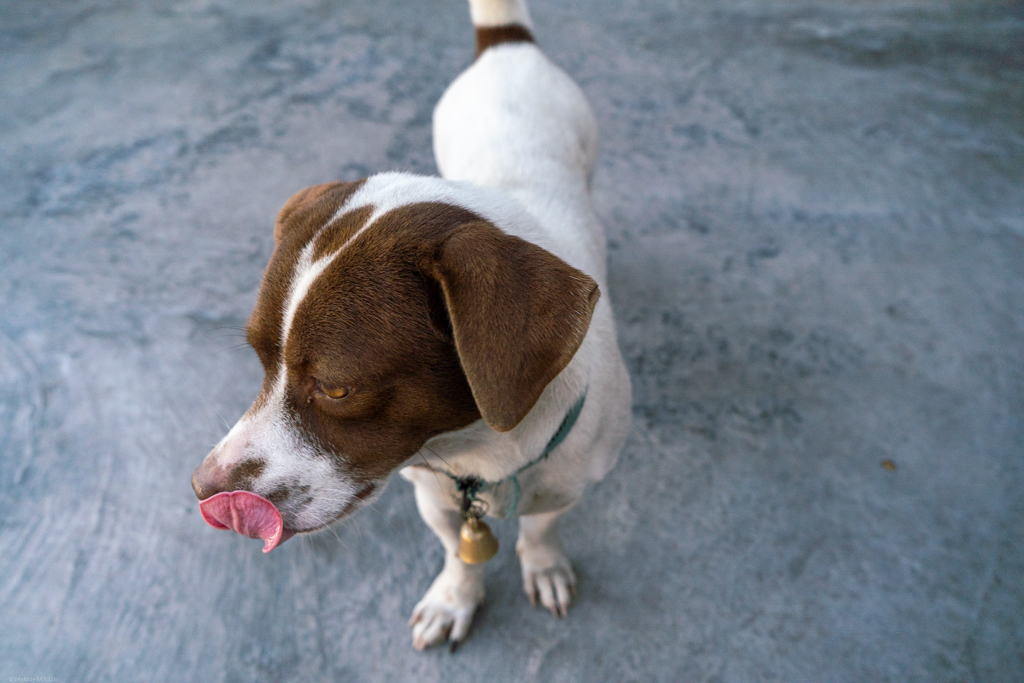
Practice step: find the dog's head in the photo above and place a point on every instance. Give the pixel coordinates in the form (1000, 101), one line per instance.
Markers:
(380, 324)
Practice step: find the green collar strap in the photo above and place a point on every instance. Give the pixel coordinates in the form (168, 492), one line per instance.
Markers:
(470, 487)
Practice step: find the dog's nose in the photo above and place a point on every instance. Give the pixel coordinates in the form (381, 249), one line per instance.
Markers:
(209, 479)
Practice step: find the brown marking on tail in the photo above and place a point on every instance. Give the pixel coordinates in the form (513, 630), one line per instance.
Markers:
(489, 36)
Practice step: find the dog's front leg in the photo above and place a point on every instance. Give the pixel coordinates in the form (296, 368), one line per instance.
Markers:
(446, 611)
(547, 572)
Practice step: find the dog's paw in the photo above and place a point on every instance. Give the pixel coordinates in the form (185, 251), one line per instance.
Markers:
(547, 577)
(446, 611)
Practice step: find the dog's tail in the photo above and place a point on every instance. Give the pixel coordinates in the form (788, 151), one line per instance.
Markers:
(500, 21)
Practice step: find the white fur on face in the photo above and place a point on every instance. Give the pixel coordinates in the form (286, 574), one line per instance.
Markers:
(319, 491)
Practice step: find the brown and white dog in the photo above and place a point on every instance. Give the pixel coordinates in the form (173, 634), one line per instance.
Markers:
(442, 325)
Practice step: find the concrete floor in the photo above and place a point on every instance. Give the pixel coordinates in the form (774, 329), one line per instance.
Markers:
(816, 221)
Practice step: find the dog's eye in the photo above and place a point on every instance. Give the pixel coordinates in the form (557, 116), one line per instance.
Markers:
(332, 390)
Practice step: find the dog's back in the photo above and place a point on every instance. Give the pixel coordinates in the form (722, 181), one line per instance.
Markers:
(516, 122)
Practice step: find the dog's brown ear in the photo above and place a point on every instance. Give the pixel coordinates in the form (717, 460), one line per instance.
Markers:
(314, 204)
(518, 315)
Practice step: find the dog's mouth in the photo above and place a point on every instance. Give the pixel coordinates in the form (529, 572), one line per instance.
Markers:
(254, 516)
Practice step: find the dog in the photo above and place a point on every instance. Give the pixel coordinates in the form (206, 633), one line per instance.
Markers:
(450, 328)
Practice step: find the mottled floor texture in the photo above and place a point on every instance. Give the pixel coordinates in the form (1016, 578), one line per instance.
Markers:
(816, 225)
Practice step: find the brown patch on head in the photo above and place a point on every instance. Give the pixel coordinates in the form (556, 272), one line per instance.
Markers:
(374, 322)
(489, 36)
(298, 221)
(434, 318)
(312, 207)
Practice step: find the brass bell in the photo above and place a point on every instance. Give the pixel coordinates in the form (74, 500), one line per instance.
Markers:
(477, 542)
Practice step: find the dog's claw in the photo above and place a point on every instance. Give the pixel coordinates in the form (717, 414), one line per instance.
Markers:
(446, 612)
(441, 626)
(548, 578)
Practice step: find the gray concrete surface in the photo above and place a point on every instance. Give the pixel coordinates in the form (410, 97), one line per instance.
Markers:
(816, 221)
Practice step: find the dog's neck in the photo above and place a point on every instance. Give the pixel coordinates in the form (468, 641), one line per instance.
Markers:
(479, 451)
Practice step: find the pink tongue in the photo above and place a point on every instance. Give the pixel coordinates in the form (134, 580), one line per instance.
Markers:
(248, 514)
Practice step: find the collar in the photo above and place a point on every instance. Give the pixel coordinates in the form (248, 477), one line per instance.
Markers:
(471, 487)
